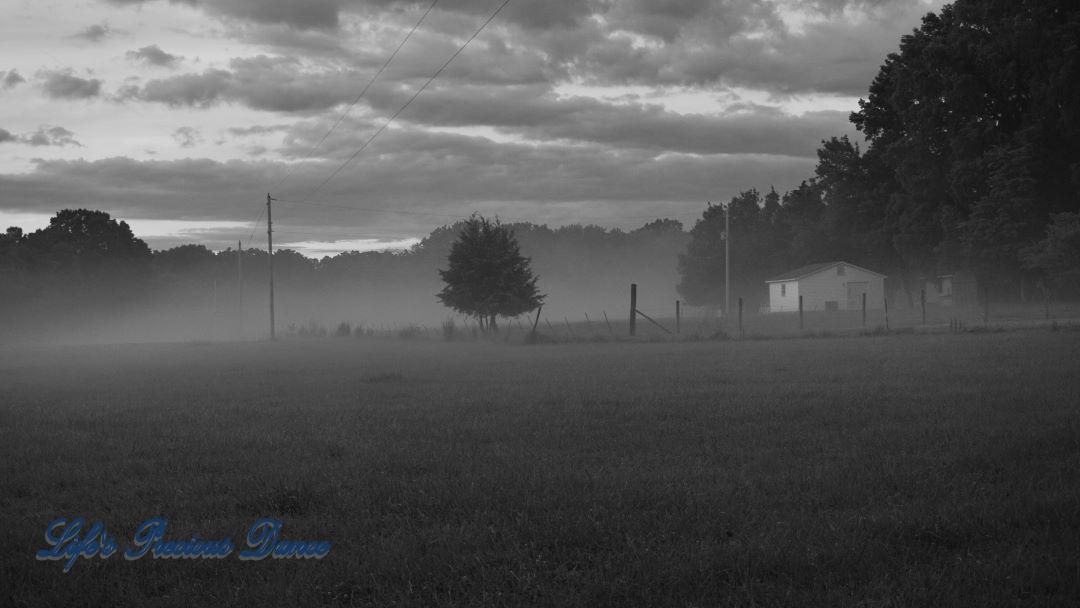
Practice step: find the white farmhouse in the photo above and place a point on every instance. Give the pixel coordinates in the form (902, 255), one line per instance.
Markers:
(827, 286)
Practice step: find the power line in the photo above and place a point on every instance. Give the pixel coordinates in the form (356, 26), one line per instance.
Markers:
(409, 102)
(255, 226)
(358, 97)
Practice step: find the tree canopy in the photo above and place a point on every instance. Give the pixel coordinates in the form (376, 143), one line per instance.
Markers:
(972, 145)
(977, 117)
(82, 257)
(487, 276)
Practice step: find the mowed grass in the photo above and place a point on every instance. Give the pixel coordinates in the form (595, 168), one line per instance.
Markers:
(914, 470)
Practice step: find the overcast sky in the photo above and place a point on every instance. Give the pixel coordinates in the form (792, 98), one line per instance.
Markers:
(180, 115)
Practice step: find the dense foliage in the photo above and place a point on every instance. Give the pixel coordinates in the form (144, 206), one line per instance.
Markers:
(973, 146)
(82, 261)
(486, 275)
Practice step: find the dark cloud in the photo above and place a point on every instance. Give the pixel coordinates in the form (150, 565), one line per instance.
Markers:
(153, 55)
(430, 173)
(196, 90)
(536, 114)
(187, 137)
(95, 33)
(640, 42)
(276, 84)
(301, 14)
(532, 111)
(326, 14)
(11, 79)
(306, 14)
(63, 84)
(51, 136)
(43, 136)
(258, 130)
(549, 14)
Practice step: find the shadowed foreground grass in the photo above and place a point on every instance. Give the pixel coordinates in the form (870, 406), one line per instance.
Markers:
(894, 471)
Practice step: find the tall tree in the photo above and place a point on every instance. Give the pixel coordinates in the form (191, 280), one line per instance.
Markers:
(1056, 257)
(978, 119)
(86, 258)
(754, 252)
(487, 276)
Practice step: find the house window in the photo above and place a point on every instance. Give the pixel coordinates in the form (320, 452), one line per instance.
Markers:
(783, 289)
(840, 270)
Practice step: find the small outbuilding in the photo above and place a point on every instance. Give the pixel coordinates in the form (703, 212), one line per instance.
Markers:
(952, 289)
(827, 286)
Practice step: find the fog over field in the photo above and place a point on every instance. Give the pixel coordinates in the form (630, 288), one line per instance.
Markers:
(514, 303)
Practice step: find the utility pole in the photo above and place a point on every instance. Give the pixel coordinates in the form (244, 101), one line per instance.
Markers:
(270, 259)
(240, 289)
(727, 260)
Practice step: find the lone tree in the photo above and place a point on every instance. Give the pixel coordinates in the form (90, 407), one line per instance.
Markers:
(487, 275)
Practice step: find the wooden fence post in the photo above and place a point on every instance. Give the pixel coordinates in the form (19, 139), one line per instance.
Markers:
(633, 308)
(608, 323)
(678, 317)
(740, 317)
(800, 313)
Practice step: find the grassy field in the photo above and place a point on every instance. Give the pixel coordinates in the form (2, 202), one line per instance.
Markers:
(903, 470)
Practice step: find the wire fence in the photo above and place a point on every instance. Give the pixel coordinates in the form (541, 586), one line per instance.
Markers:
(702, 323)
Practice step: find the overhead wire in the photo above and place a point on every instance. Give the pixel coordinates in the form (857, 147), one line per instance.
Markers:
(363, 92)
(255, 226)
(306, 199)
(415, 95)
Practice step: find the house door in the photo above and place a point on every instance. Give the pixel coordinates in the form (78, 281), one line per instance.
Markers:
(855, 293)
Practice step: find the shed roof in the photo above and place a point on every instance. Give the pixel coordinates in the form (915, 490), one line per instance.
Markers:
(809, 269)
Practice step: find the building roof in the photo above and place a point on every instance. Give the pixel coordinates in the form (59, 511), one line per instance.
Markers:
(809, 269)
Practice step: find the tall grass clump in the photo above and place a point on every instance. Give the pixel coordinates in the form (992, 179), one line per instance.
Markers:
(410, 332)
(449, 330)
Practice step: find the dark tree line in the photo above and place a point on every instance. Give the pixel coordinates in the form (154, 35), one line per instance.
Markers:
(972, 163)
(86, 265)
(83, 260)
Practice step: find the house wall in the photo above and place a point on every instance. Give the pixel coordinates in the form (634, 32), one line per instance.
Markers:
(784, 303)
(827, 285)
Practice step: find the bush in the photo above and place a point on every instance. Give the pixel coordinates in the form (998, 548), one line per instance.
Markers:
(312, 329)
(344, 330)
